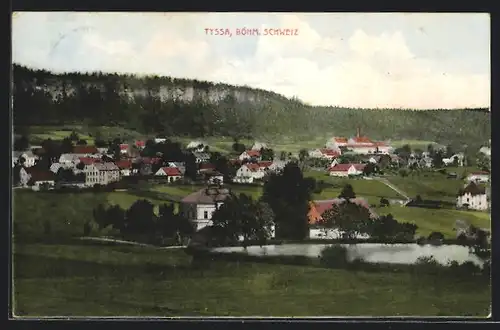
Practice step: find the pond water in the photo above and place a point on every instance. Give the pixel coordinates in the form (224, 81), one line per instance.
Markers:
(369, 252)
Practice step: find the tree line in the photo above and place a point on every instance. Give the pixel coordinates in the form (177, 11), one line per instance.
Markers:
(139, 103)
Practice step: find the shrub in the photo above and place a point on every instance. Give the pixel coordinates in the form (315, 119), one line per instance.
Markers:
(436, 238)
(334, 256)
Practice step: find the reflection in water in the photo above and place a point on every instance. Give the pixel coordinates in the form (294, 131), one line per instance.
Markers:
(369, 252)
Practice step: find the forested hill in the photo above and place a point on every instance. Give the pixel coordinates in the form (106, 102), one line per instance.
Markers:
(171, 106)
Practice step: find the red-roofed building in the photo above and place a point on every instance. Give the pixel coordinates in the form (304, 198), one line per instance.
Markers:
(317, 208)
(250, 154)
(37, 178)
(125, 166)
(140, 144)
(172, 173)
(123, 148)
(336, 142)
(344, 170)
(206, 167)
(89, 160)
(85, 150)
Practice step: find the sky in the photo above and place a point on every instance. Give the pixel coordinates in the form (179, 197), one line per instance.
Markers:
(366, 60)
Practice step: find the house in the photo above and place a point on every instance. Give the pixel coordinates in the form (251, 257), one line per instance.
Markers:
(197, 145)
(123, 148)
(336, 142)
(181, 166)
(479, 176)
(206, 167)
(38, 178)
(198, 207)
(201, 157)
(325, 153)
(160, 140)
(486, 151)
(125, 167)
(85, 151)
(101, 173)
(249, 172)
(69, 159)
(214, 177)
(139, 144)
(473, 197)
(29, 158)
(458, 158)
(259, 146)
(250, 154)
(319, 207)
(172, 174)
(344, 170)
(88, 160)
(55, 167)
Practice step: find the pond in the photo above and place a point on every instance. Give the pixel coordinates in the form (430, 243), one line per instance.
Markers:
(368, 252)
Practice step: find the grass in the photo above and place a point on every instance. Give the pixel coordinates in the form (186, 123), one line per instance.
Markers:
(441, 220)
(64, 280)
(414, 144)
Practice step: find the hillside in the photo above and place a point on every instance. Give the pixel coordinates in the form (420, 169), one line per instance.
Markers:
(164, 105)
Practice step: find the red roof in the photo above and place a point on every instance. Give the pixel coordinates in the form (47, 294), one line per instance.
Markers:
(151, 160)
(361, 145)
(171, 171)
(317, 208)
(124, 164)
(340, 140)
(329, 152)
(89, 160)
(265, 164)
(140, 143)
(380, 144)
(207, 166)
(85, 150)
(39, 175)
(362, 139)
(253, 153)
(346, 167)
(123, 146)
(252, 166)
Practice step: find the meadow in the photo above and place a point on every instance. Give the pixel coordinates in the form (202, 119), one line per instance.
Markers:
(86, 280)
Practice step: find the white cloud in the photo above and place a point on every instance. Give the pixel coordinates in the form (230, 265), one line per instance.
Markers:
(366, 69)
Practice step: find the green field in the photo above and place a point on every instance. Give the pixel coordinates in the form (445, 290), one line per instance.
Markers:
(72, 280)
(414, 144)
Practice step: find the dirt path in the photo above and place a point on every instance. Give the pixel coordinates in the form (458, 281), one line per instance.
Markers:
(393, 187)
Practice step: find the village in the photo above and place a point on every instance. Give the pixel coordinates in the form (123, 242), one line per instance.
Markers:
(119, 165)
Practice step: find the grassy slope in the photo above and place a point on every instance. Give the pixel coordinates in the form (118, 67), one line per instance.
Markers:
(60, 280)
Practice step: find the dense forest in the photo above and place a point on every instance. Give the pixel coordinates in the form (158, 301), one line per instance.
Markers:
(169, 106)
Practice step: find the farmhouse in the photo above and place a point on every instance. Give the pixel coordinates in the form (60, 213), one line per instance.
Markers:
(479, 176)
(37, 178)
(249, 172)
(473, 197)
(325, 153)
(69, 159)
(28, 156)
(250, 154)
(172, 173)
(344, 170)
(140, 144)
(101, 173)
(198, 207)
(336, 142)
(319, 207)
(181, 166)
(125, 167)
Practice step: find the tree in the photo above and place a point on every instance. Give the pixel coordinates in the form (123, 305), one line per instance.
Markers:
(403, 172)
(283, 155)
(267, 154)
(238, 147)
(81, 142)
(172, 225)
(140, 218)
(350, 218)
(99, 143)
(303, 153)
(449, 151)
(80, 166)
(74, 136)
(384, 202)
(369, 169)
(437, 159)
(240, 216)
(21, 143)
(418, 199)
(66, 146)
(347, 192)
(288, 194)
(436, 236)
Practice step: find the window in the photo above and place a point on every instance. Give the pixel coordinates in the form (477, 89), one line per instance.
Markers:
(205, 215)
(467, 199)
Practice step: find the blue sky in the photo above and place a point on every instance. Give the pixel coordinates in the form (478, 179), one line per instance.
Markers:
(360, 60)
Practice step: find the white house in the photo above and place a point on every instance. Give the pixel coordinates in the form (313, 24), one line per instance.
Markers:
(473, 197)
(101, 173)
(259, 146)
(172, 173)
(249, 172)
(344, 170)
(486, 151)
(336, 142)
(479, 176)
(198, 207)
(69, 159)
(458, 157)
(325, 153)
(28, 156)
(160, 140)
(250, 154)
(196, 145)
